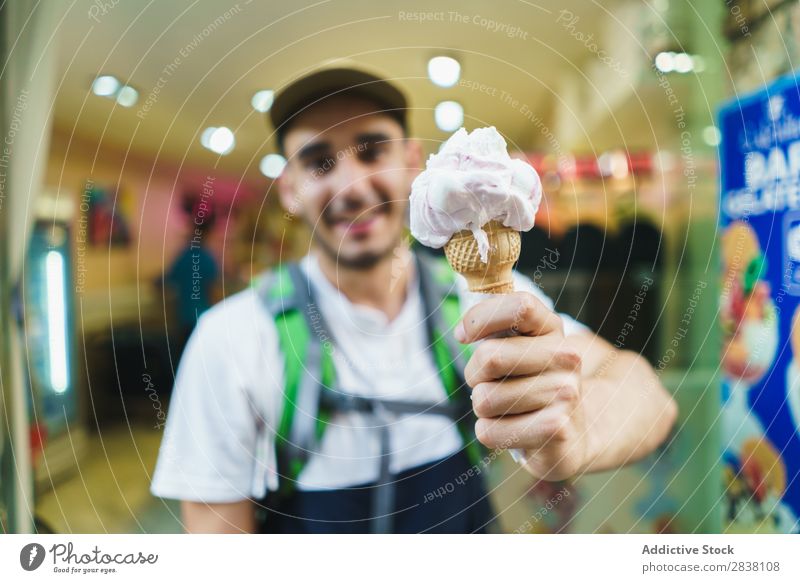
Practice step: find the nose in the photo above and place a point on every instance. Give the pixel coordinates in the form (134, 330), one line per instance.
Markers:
(351, 177)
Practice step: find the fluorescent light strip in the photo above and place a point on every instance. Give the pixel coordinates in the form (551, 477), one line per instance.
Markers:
(56, 321)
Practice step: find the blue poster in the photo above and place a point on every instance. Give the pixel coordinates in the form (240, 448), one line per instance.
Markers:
(759, 241)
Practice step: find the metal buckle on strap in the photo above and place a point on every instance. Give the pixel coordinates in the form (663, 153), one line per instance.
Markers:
(343, 402)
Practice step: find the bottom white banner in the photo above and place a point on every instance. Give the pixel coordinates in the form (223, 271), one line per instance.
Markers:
(350, 558)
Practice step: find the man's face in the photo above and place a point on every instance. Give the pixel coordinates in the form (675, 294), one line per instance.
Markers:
(348, 176)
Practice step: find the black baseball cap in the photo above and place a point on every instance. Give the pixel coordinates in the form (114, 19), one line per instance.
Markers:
(324, 83)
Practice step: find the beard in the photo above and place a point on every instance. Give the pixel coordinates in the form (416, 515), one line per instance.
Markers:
(361, 262)
(368, 259)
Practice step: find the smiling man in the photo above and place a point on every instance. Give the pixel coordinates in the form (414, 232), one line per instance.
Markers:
(346, 393)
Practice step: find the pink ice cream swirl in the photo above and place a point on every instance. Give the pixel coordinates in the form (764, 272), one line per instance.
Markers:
(472, 180)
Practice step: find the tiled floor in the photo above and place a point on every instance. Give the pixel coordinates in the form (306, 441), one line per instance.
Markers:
(109, 493)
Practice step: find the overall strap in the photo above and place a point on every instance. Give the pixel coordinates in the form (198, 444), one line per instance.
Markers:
(443, 311)
(303, 431)
(308, 366)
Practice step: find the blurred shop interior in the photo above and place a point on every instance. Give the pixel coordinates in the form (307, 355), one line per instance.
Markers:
(128, 120)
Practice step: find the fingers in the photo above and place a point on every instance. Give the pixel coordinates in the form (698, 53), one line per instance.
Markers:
(523, 395)
(519, 312)
(549, 427)
(499, 358)
(554, 446)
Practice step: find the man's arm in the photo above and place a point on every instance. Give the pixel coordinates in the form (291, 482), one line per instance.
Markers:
(231, 518)
(574, 404)
(628, 411)
(212, 444)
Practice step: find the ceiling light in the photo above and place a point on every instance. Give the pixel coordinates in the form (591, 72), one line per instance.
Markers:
(668, 62)
(664, 161)
(262, 100)
(205, 137)
(127, 96)
(711, 135)
(613, 164)
(665, 62)
(683, 63)
(449, 116)
(444, 71)
(218, 140)
(272, 165)
(105, 85)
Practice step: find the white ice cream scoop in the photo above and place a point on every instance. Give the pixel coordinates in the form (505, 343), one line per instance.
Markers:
(471, 181)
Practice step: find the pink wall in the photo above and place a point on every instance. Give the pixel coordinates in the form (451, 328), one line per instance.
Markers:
(158, 225)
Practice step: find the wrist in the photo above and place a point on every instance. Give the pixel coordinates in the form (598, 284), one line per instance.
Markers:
(592, 448)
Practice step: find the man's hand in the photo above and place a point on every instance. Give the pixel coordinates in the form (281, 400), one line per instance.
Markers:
(527, 389)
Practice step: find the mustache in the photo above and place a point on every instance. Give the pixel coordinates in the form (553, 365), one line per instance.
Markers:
(350, 208)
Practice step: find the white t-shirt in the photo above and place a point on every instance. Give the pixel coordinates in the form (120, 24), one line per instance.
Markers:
(218, 443)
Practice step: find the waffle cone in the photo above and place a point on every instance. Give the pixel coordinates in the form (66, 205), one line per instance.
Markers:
(495, 276)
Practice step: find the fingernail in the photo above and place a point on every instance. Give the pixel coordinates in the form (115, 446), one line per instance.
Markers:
(460, 333)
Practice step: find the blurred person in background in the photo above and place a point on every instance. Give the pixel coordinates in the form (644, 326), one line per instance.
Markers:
(192, 276)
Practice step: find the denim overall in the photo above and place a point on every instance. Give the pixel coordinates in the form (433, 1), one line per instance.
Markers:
(444, 496)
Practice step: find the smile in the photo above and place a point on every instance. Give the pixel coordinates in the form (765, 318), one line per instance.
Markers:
(360, 225)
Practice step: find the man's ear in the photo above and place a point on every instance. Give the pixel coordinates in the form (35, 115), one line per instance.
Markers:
(414, 157)
(287, 192)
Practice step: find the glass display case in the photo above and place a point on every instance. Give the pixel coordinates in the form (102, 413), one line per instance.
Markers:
(49, 348)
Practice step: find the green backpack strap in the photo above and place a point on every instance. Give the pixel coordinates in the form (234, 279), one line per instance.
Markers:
(438, 283)
(302, 369)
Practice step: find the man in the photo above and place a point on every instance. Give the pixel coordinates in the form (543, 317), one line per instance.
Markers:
(563, 398)
(192, 277)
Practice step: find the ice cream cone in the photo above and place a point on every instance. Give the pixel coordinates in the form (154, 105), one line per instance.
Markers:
(496, 275)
